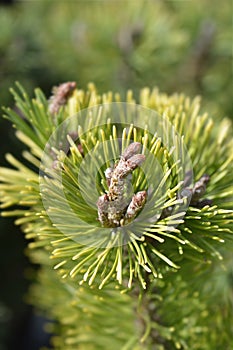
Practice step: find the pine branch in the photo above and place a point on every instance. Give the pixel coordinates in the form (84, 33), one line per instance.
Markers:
(156, 231)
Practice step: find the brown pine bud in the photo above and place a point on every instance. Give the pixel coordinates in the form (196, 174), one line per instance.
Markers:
(102, 205)
(60, 96)
(131, 150)
(199, 189)
(136, 161)
(136, 204)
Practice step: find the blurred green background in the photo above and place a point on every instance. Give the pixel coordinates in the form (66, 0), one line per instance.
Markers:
(175, 45)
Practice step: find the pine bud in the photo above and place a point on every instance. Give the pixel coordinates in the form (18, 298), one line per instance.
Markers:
(60, 96)
(136, 204)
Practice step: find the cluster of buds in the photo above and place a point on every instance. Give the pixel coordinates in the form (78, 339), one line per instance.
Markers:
(196, 193)
(193, 194)
(119, 206)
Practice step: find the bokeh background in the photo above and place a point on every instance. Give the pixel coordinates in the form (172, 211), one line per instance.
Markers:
(178, 46)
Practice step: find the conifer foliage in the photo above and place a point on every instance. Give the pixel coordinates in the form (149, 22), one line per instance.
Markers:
(128, 208)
